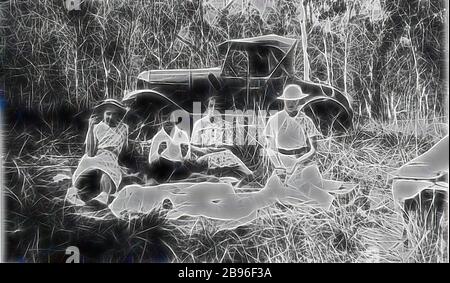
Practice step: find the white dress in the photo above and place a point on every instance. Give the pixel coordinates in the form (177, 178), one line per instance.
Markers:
(109, 142)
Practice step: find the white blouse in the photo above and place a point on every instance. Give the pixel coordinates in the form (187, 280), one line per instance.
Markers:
(173, 142)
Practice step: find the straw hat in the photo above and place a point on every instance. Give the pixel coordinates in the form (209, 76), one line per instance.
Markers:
(110, 103)
(292, 92)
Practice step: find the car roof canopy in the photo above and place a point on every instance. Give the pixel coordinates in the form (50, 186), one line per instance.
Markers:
(281, 43)
(261, 49)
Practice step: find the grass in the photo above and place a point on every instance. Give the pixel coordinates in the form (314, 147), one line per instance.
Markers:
(53, 59)
(364, 226)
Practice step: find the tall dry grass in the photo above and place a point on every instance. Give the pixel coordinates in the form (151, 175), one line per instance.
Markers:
(363, 226)
(54, 56)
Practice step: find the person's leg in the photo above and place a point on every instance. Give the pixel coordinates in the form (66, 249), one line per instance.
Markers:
(106, 188)
(233, 159)
(224, 159)
(182, 171)
(298, 186)
(82, 188)
(161, 170)
(273, 158)
(195, 166)
(73, 197)
(106, 184)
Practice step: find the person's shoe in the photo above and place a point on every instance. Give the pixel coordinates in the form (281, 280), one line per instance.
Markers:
(102, 198)
(73, 198)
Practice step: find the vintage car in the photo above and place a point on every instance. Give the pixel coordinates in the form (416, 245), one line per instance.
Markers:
(253, 74)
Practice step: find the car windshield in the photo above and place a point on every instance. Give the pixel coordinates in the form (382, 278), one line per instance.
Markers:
(257, 61)
(236, 63)
(263, 61)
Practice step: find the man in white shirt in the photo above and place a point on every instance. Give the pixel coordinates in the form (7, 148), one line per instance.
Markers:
(291, 140)
(291, 136)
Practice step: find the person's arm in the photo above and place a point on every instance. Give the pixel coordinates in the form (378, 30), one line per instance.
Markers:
(91, 141)
(270, 141)
(152, 156)
(312, 144)
(202, 150)
(140, 146)
(157, 141)
(196, 140)
(126, 145)
(185, 151)
(185, 144)
(269, 135)
(312, 136)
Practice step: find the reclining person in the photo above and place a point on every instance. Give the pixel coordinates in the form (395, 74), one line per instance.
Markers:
(211, 139)
(105, 140)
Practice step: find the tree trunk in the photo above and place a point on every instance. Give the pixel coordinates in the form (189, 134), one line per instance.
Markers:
(400, 13)
(306, 67)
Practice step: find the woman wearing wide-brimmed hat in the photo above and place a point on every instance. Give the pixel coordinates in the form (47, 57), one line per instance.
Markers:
(107, 136)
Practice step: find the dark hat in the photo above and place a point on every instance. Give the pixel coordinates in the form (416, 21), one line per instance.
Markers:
(110, 103)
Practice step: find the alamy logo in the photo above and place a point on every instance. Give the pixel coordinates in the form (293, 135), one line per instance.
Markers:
(74, 254)
(73, 5)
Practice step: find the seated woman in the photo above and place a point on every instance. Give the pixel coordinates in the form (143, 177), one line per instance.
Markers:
(210, 142)
(104, 142)
(169, 154)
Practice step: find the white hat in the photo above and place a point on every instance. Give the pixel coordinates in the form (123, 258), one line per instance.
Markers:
(292, 92)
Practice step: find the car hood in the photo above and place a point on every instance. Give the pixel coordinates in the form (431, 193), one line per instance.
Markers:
(177, 76)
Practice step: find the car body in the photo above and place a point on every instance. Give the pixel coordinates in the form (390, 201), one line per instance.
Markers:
(252, 76)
